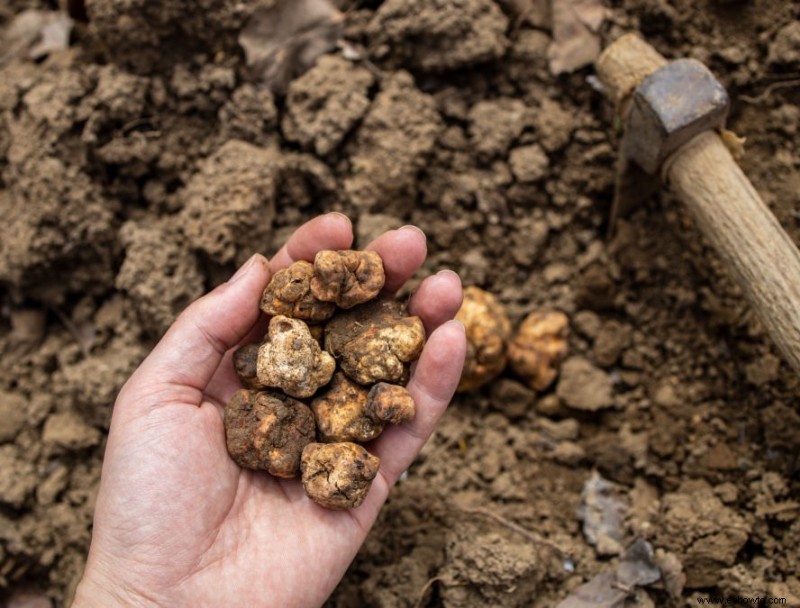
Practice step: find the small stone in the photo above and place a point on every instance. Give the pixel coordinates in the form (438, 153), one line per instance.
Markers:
(18, 478)
(665, 395)
(50, 488)
(529, 164)
(727, 492)
(612, 339)
(568, 453)
(549, 405)
(563, 430)
(12, 415)
(68, 431)
(512, 398)
(785, 47)
(763, 370)
(587, 323)
(583, 386)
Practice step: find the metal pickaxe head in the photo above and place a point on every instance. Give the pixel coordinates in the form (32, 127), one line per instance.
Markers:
(669, 107)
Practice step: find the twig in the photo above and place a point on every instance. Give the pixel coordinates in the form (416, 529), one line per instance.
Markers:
(73, 330)
(423, 596)
(531, 536)
(351, 53)
(442, 448)
(769, 90)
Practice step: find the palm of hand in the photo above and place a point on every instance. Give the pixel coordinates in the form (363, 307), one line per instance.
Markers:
(179, 523)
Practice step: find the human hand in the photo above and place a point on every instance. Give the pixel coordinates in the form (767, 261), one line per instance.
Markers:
(177, 522)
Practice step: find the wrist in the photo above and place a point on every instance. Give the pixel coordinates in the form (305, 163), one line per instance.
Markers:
(100, 592)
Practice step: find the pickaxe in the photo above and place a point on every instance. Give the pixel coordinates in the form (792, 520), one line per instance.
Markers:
(672, 112)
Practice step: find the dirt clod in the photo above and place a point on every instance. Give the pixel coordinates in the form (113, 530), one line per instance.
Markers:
(583, 386)
(12, 415)
(68, 431)
(158, 297)
(441, 35)
(229, 203)
(324, 104)
(701, 531)
(391, 146)
(268, 431)
(338, 475)
(19, 479)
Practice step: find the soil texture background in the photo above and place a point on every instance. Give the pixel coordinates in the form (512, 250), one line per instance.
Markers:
(140, 165)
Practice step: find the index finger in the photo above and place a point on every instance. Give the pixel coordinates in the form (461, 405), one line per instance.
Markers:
(330, 231)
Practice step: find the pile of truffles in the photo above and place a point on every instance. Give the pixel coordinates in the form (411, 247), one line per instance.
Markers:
(535, 352)
(329, 375)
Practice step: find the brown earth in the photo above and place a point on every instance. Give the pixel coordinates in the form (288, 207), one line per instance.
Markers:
(139, 166)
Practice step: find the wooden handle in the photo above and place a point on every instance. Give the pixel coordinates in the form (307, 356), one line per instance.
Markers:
(623, 65)
(756, 250)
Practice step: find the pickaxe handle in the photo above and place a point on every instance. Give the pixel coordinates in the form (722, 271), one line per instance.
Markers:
(729, 211)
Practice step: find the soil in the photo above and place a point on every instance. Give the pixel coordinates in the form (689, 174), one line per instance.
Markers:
(140, 165)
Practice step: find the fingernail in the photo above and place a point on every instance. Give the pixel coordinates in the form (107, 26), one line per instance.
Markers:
(341, 215)
(448, 272)
(459, 324)
(243, 269)
(414, 228)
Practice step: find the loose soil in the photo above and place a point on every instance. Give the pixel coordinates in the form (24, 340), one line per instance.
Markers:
(138, 167)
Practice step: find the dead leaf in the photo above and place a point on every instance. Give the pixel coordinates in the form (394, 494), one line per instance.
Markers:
(637, 567)
(283, 41)
(621, 588)
(599, 592)
(34, 34)
(576, 42)
(602, 510)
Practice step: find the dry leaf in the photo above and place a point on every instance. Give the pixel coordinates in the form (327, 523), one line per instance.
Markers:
(283, 41)
(599, 592)
(618, 589)
(35, 34)
(576, 42)
(637, 567)
(602, 510)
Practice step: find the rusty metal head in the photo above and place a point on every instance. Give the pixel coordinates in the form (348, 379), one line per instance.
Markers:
(671, 106)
